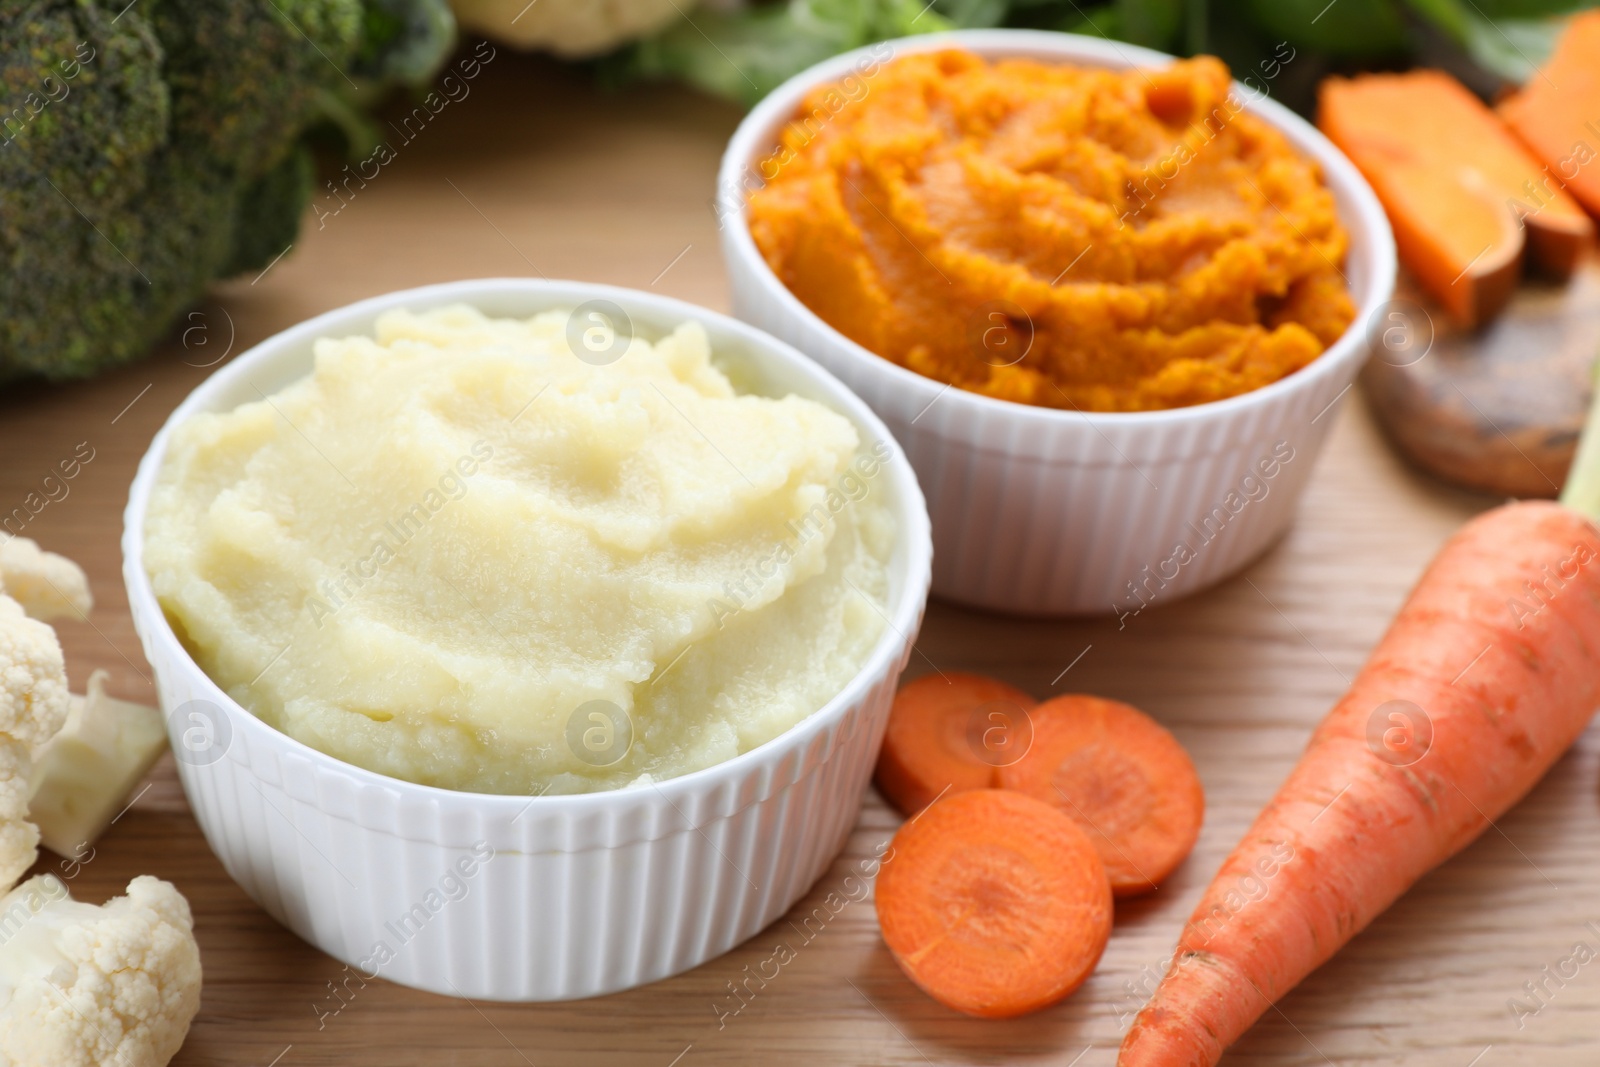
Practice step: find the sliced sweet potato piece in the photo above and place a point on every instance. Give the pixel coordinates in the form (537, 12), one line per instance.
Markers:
(1465, 198)
(1557, 113)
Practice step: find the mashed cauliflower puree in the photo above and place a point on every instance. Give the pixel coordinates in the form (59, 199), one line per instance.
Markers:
(461, 555)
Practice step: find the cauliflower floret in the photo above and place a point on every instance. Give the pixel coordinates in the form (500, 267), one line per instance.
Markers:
(86, 986)
(80, 986)
(572, 28)
(33, 707)
(47, 586)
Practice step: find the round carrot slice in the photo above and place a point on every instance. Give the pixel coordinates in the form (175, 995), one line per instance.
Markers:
(950, 733)
(996, 904)
(1122, 777)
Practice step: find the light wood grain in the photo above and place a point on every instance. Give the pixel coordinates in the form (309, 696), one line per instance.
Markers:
(536, 172)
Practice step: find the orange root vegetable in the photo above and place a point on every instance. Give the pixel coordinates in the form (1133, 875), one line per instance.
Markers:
(1488, 674)
(1557, 113)
(994, 903)
(1457, 186)
(1122, 777)
(950, 733)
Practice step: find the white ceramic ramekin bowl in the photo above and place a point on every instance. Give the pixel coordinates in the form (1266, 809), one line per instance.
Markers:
(583, 894)
(1041, 511)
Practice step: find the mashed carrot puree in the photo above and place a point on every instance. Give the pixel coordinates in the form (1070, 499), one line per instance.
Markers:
(1060, 236)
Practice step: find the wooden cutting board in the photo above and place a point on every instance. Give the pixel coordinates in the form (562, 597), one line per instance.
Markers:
(536, 172)
(1498, 409)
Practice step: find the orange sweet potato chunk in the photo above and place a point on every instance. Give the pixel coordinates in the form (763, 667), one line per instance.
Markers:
(1456, 184)
(1557, 113)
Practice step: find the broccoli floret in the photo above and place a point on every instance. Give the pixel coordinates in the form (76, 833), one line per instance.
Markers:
(151, 148)
(271, 210)
(402, 41)
(83, 106)
(245, 76)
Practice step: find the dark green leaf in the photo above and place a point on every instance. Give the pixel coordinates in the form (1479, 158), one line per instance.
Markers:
(974, 14)
(1152, 23)
(1529, 9)
(1339, 27)
(1102, 21)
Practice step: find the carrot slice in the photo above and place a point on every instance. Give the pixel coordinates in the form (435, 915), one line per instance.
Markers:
(1557, 113)
(994, 903)
(1121, 776)
(950, 733)
(1461, 191)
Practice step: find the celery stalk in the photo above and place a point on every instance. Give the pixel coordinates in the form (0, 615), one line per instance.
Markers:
(1582, 491)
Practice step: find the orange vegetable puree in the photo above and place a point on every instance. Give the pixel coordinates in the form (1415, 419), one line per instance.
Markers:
(1054, 235)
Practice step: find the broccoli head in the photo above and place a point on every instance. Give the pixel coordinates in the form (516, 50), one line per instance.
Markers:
(402, 42)
(149, 148)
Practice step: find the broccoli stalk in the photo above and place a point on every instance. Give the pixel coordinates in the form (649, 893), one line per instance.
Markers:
(148, 149)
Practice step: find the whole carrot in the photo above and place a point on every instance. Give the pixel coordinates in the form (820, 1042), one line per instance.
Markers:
(1487, 675)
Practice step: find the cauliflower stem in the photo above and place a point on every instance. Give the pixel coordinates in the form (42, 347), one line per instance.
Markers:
(87, 770)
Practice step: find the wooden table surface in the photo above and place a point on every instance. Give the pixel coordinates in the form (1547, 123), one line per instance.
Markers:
(537, 173)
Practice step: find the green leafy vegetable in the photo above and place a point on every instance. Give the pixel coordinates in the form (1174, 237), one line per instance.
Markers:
(746, 54)
(742, 54)
(1345, 28)
(1512, 48)
(1152, 23)
(1510, 38)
